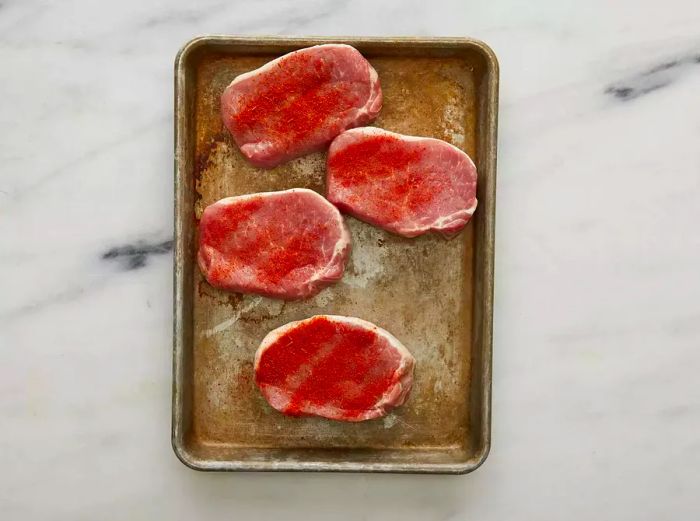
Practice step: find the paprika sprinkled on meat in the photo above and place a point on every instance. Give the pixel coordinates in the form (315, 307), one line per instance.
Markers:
(286, 244)
(337, 367)
(300, 102)
(220, 230)
(404, 184)
(377, 158)
(295, 99)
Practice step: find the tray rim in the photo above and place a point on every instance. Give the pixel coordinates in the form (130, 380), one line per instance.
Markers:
(488, 162)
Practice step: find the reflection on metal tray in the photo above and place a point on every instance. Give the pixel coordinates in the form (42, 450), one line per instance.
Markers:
(434, 295)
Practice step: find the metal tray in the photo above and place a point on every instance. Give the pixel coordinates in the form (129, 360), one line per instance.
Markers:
(434, 295)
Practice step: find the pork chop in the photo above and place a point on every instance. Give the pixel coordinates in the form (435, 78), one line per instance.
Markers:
(299, 102)
(407, 185)
(287, 244)
(342, 368)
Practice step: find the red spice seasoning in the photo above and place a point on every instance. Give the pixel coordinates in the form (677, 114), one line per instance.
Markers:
(384, 163)
(296, 99)
(274, 256)
(219, 231)
(339, 364)
(299, 251)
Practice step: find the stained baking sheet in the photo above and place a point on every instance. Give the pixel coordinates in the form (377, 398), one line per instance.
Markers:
(434, 295)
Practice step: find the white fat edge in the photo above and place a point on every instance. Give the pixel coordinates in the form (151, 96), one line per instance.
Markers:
(438, 224)
(271, 64)
(373, 76)
(402, 372)
(463, 214)
(374, 81)
(341, 244)
(247, 197)
(376, 131)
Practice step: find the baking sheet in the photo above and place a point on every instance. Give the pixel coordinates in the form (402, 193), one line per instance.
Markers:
(432, 294)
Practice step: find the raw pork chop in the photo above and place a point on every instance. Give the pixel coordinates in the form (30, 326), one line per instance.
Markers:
(342, 368)
(288, 244)
(299, 102)
(404, 184)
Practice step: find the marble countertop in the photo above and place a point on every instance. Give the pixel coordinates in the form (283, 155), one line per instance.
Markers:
(597, 323)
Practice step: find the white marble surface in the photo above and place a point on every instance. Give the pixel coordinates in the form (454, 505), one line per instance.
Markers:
(597, 334)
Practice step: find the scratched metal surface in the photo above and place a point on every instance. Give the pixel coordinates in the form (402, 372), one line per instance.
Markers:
(422, 290)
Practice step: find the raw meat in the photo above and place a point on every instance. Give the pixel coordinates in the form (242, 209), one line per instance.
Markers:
(288, 244)
(342, 368)
(407, 185)
(299, 102)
